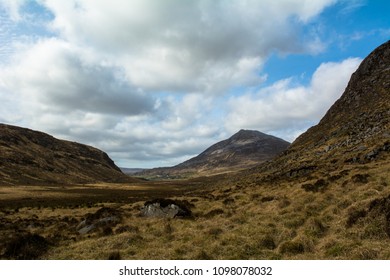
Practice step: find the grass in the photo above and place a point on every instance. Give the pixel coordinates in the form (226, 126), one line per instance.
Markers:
(265, 220)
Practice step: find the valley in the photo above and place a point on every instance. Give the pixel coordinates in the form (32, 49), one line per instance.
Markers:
(346, 217)
(325, 196)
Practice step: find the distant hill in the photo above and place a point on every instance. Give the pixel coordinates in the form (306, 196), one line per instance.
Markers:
(32, 157)
(131, 171)
(244, 149)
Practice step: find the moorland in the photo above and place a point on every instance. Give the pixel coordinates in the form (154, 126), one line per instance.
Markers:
(327, 196)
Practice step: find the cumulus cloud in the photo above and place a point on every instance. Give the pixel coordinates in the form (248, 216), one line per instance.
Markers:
(58, 77)
(147, 80)
(203, 46)
(285, 105)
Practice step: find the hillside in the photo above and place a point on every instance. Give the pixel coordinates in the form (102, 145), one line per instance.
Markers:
(244, 149)
(32, 157)
(355, 130)
(327, 196)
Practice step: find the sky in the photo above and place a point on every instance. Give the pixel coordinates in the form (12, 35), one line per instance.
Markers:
(154, 83)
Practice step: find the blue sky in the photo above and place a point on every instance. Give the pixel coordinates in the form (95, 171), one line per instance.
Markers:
(154, 83)
(348, 29)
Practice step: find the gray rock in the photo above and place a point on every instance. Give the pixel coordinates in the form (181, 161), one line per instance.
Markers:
(165, 208)
(103, 217)
(155, 210)
(87, 229)
(372, 155)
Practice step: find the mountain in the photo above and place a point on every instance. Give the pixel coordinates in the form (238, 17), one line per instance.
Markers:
(32, 157)
(244, 149)
(327, 196)
(356, 129)
(130, 171)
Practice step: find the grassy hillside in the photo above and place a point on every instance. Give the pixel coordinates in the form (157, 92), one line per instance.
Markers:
(35, 158)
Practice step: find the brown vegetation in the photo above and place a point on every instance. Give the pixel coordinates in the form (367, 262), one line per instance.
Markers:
(29, 157)
(347, 220)
(326, 197)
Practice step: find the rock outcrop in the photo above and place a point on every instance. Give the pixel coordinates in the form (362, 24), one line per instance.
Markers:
(166, 208)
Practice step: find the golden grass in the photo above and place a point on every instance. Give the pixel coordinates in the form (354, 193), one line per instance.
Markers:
(277, 220)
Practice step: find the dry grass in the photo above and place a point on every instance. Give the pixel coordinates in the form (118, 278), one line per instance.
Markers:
(279, 220)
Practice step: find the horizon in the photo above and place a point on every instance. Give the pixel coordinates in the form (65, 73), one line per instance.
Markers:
(164, 81)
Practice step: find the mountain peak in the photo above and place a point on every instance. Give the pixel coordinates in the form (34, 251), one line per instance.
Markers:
(245, 133)
(363, 109)
(244, 149)
(377, 60)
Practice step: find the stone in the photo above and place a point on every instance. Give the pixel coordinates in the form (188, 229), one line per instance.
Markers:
(86, 229)
(372, 155)
(155, 210)
(166, 208)
(100, 219)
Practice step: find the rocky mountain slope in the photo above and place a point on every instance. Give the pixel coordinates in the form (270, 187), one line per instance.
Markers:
(32, 157)
(244, 149)
(328, 195)
(356, 129)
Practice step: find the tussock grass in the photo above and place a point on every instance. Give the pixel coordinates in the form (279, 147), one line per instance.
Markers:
(347, 219)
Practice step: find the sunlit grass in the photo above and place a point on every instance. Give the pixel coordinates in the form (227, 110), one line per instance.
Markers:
(279, 220)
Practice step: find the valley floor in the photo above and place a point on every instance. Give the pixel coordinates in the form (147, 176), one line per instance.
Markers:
(341, 215)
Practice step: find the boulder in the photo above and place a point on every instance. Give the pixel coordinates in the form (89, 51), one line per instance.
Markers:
(100, 219)
(166, 208)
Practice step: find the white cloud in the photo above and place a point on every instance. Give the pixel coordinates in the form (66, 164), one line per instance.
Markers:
(187, 46)
(13, 7)
(146, 80)
(55, 76)
(352, 5)
(284, 105)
